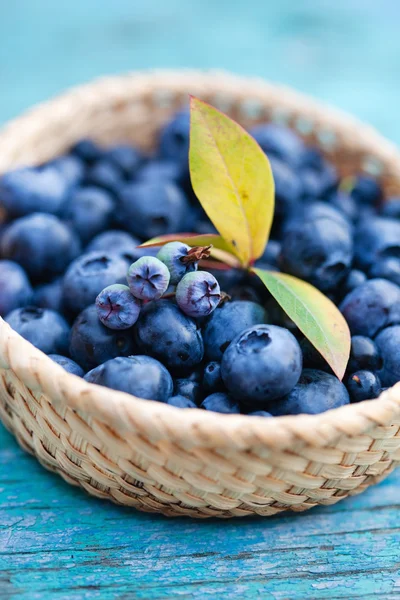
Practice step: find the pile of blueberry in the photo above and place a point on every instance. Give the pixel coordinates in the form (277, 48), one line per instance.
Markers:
(154, 322)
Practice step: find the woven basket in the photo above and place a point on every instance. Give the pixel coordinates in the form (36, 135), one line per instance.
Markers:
(190, 462)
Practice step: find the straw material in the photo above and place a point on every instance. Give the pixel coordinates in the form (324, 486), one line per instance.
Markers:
(190, 462)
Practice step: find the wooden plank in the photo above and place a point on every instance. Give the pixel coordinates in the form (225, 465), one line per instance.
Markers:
(56, 542)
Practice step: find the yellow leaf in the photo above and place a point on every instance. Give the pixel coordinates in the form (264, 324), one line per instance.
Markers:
(232, 178)
(314, 314)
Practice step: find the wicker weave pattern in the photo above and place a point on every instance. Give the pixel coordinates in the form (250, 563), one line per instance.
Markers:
(158, 458)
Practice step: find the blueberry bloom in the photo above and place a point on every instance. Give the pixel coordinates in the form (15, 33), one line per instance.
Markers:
(148, 278)
(198, 294)
(116, 307)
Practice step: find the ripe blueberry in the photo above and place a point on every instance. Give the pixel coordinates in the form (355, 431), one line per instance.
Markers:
(228, 321)
(315, 393)
(372, 306)
(221, 403)
(15, 289)
(88, 275)
(92, 344)
(164, 332)
(261, 364)
(67, 364)
(141, 376)
(40, 243)
(363, 385)
(44, 328)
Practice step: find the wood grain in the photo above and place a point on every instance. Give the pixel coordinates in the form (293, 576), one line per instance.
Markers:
(56, 543)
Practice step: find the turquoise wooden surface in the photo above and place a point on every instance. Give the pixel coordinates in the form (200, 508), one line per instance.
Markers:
(55, 541)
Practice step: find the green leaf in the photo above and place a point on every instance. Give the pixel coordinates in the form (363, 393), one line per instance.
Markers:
(220, 249)
(314, 314)
(232, 178)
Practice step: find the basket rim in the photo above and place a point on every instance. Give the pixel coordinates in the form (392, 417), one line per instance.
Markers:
(123, 412)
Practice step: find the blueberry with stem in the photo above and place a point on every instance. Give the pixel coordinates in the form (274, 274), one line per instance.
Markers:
(182, 259)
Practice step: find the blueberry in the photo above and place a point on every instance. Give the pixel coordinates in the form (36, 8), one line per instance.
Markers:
(87, 150)
(246, 292)
(164, 332)
(311, 211)
(148, 278)
(366, 190)
(30, 190)
(50, 295)
(174, 138)
(363, 385)
(312, 158)
(288, 188)
(259, 413)
(181, 259)
(181, 402)
(261, 364)
(345, 204)
(189, 389)
(212, 380)
(364, 355)
(125, 158)
(15, 289)
(388, 343)
(92, 344)
(319, 183)
(88, 275)
(315, 393)
(280, 142)
(148, 209)
(226, 322)
(71, 168)
(198, 294)
(387, 268)
(277, 316)
(353, 280)
(88, 211)
(118, 242)
(376, 238)
(69, 365)
(228, 278)
(312, 359)
(40, 243)
(319, 251)
(116, 307)
(391, 208)
(44, 328)
(161, 170)
(204, 226)
(372, 306)
(104, 174)
(271, 253)
(221, 403)
(141, 376)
